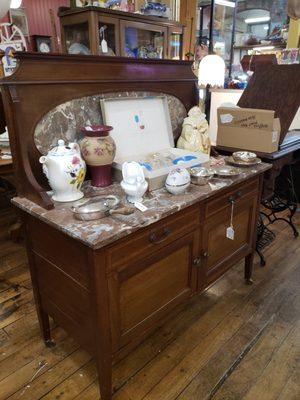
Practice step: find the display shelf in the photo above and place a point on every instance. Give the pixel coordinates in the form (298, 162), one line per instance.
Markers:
(98, 31)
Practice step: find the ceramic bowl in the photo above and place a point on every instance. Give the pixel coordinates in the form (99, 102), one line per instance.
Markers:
(201, 175)
(178, 181)
(244, 156)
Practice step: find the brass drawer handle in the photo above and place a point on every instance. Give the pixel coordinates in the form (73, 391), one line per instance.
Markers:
(197, 261)
(206, 254)
(153, 238)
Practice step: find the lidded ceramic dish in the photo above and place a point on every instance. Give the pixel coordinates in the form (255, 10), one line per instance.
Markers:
(178, 181)
(201, 175)
(244, 156)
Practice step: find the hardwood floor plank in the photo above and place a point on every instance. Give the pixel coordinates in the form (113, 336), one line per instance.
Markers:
(53, 376)
(283, 364)
(69, 388)
(217, 371)
(256, 361)
(28, 353)
(291, 390)
(13, 385)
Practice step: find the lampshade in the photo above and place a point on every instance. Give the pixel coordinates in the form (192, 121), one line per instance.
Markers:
(15, 3)
(4, 7)
(211, 71)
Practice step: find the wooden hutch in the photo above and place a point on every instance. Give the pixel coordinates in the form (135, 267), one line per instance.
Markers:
(126, 34)
(111, 288)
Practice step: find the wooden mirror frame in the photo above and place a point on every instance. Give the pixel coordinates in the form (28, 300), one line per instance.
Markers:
(42, 82)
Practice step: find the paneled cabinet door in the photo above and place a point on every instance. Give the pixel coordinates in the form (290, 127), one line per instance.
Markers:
(146, 289)
(220, 252)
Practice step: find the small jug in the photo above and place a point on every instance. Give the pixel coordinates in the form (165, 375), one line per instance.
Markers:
(65, 170)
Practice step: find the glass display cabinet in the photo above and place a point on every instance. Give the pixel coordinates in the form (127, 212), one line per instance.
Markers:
(98, 31)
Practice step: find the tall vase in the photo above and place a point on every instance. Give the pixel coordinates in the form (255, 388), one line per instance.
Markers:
(99, 150)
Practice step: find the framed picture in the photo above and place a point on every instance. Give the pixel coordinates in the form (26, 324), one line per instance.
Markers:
(18, 17)
(42, 43)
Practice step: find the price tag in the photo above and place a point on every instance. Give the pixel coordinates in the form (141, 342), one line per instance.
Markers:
(104, 46)
(230, 233)
(140, 206)
(230, 229)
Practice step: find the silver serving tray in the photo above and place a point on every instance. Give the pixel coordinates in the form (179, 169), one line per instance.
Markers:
(232, 161)
(227, 171)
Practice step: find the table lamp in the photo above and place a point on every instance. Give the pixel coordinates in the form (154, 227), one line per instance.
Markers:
(211, 74)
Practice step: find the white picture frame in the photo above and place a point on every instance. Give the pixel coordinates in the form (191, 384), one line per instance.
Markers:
(18, 17)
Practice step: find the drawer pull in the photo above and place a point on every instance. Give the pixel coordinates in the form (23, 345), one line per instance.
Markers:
(197, 261)
(231, 199)
(239, 194)
(153, 238)
(206, 254)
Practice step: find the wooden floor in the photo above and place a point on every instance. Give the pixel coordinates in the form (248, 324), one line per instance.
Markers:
(232, 342)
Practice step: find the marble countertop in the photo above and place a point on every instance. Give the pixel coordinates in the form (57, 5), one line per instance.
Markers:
(160, 204)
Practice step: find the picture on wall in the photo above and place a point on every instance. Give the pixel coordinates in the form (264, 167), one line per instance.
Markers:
(18, 17)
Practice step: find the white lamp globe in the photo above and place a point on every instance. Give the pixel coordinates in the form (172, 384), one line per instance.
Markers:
(4, 7)
(211, 71)
(15, 3)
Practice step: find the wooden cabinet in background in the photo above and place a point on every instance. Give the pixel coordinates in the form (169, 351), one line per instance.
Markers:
(126, 34)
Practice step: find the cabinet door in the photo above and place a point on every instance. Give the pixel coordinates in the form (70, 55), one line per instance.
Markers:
(140, 40)
(109, 31)
(220, 252)
(175, 43)
(145, 290)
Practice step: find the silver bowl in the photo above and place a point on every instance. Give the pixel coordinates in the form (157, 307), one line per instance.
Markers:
(244, 156)
(201, 175)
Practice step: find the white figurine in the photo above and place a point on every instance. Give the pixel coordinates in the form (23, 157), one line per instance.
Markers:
(194, 135)
(133, 183)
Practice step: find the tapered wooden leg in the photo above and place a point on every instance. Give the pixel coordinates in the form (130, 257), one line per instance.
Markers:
(43, 317)
(101, 320)
(249, 268)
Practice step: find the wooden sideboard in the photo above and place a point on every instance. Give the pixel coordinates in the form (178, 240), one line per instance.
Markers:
(110, 283)
(109, 299)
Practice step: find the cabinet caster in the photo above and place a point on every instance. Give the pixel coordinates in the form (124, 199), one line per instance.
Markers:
(50, 343)
(249, 281)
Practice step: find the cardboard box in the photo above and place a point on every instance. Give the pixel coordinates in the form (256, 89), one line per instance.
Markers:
(142, 127)
(248, 129)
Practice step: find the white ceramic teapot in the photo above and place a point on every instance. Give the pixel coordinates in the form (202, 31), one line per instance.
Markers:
(65, 170)
(133, 183)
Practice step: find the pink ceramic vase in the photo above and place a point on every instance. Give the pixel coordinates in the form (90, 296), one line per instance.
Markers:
(99, 150)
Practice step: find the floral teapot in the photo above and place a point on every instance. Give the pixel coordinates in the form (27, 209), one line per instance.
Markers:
(65, 170)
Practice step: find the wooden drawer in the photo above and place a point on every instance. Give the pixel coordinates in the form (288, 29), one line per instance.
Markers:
(238, 194)
(153, 238)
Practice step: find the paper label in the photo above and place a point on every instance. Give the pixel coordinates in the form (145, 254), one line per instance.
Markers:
(104, 46)
(230, 233)
(226, 118)
(274, 136)
(140, 206)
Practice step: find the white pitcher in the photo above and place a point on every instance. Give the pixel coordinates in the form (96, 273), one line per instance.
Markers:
(65, 170)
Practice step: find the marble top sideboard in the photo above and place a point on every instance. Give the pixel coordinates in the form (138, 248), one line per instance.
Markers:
(99, 233)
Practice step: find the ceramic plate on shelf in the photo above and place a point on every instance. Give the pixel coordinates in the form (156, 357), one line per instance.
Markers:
(227, 171)
(232, 161)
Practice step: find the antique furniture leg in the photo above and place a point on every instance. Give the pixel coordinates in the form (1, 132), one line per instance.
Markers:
(249, 268)
(100, 312)
(264, 237)
(43, 317)
(284, 198)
